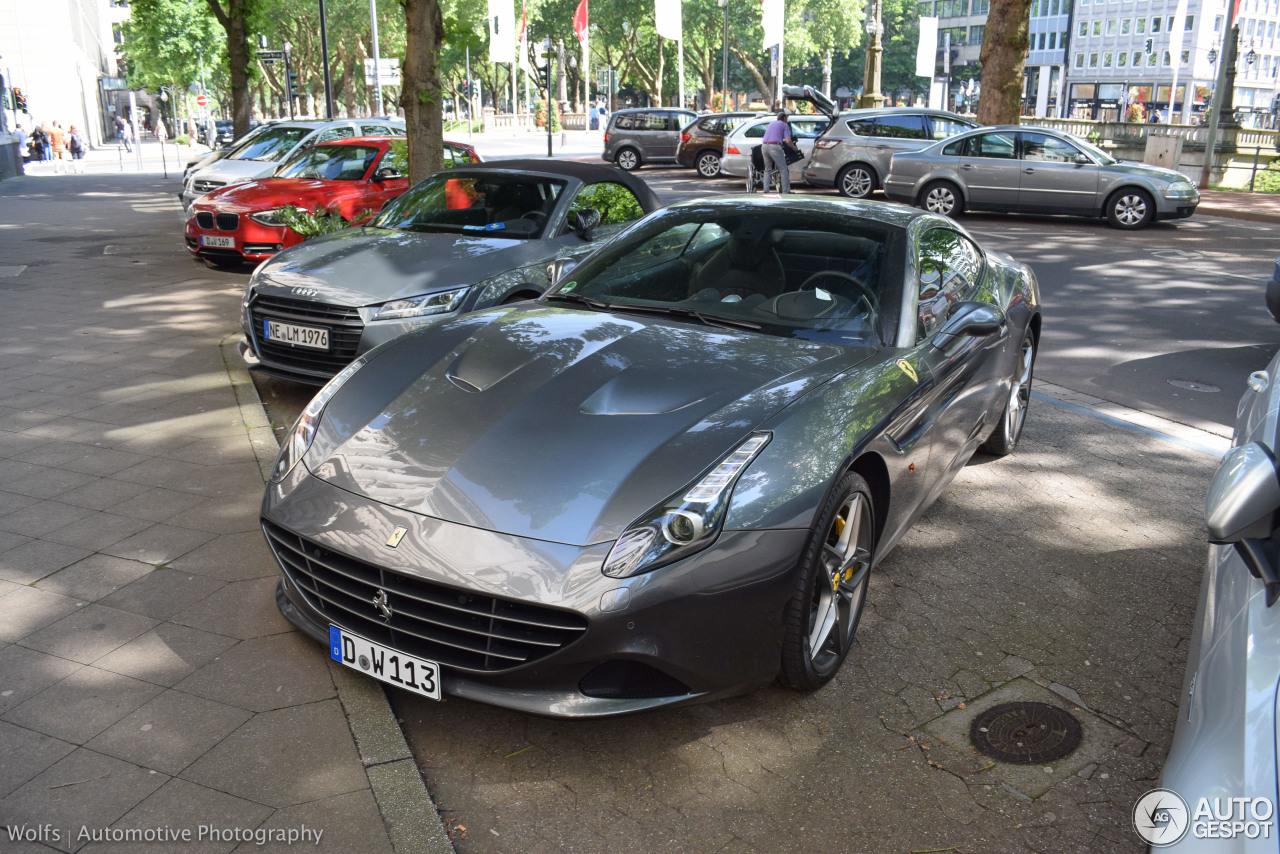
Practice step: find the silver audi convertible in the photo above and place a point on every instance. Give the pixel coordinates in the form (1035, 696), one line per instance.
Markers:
(667, 479)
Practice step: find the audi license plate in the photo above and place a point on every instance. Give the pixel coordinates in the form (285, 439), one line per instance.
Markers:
(217, 242)
(314, 337)
(387, 665)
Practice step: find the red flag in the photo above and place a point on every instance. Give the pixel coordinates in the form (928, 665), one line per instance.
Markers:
(523, 21)
(580, 21)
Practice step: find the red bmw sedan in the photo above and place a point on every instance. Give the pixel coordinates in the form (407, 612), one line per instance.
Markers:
(353, 178)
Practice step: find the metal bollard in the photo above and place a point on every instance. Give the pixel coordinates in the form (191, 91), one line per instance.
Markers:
(1254, 173)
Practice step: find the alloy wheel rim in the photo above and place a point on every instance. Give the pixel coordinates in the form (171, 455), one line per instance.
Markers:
(1020, 394)
(1131, 209)
(857, 183)
(627, 160)
(940, 200)
(841, 584)
(709, 166)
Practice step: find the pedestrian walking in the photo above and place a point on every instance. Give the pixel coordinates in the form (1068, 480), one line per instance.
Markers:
(58, 144)
(161, 133)
(777, 135)
(122, 134)
(46, 150)
(76, 145)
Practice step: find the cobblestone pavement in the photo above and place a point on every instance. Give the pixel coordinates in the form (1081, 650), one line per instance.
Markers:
(1071, 567)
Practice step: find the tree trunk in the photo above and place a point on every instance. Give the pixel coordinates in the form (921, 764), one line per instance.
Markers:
(1004, 50)
(232, 20)
(422, 91)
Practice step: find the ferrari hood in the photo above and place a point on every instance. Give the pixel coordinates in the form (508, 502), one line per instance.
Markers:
(367, 266)
(558, 425)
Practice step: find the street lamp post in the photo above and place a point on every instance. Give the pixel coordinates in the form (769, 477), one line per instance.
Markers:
(288, 78)
(324, 52)
(871, 96)
(724, 56)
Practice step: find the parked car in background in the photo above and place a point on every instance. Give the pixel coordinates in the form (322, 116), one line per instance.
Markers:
(702, 141)
(224, 132)
(1020, 169)
(200, 161)
(1224, 744)
(647, 135)
(666, 481)
(738, 144)
(258, 155)
(351, 178)
(463, 239)
(853, 154)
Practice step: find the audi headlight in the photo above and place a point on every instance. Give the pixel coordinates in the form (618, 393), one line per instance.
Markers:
(304, 429)
(271, 217)
(422, 306)
(685, 523)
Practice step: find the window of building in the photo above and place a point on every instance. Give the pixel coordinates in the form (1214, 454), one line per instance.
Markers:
(1111, 26)
(1137, 59)
(1053, 7)
(1151, 58)
(1125, 24)
(1106, 59)
(1122, 59)
(1165, 59)
(975, 34)
(117, 33)
(1093, 60)
(1248, 28)
(1217, 24)
(1084, 29)
(1190, 23)
(1079, 60)
(1168, 24)
(1053, 41)
(981, 7)
(1155, 24)
(1140, 25)
(1097, 28)
(1035, 8)
(1184, 58)
(1271, 31)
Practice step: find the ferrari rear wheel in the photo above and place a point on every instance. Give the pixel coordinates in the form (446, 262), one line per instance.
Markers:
(1009, 430)
(823, 614)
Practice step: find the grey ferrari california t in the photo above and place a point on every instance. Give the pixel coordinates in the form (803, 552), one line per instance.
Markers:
(667, 479)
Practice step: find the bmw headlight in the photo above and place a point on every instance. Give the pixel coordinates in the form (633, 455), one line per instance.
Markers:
(271, 217)
(304, 429)
(685, 523)
(423, 306)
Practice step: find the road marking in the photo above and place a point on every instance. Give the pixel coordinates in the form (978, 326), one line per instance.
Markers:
(1192, 438)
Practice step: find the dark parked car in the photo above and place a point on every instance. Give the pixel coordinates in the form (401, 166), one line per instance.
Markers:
(702, 141)
(666, 481)
(464, 239)
(639, 136)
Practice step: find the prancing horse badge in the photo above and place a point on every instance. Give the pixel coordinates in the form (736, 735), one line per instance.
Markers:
(396, 536)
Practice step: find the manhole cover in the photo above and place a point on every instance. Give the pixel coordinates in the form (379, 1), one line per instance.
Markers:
(1025, 733)
(1192, 385)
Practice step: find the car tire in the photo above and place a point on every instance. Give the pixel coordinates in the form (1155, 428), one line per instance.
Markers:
(708, 164)
(628, 159)
(1008, 431)
(1130, 208)
(942, 197)
(831, 586)
(857, 181)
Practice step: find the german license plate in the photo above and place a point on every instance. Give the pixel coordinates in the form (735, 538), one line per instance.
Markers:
(217, 242)
(387, 665)
(315, 337)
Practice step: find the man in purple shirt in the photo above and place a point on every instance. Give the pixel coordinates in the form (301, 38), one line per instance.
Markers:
(776, 135)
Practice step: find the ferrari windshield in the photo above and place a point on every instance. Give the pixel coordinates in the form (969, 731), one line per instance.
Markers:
(270, 145)
(495, 205)
(791, 272)
(331, 163)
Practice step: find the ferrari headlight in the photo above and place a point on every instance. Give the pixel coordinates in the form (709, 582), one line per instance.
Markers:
(271, 217)
(685, 523)
(304, 429)
(423, 306)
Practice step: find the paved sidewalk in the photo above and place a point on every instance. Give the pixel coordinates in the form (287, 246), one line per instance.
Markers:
(146, 677)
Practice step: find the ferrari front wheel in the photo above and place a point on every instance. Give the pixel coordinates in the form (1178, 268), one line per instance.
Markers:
(1009, 429)
(831, 587)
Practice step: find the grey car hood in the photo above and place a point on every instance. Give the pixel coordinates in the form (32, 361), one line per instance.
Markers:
(369, 266)
(1145, 170)
(236, 171)
(558, 425)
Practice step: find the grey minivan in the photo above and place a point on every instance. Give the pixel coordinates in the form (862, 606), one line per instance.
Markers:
(645, 135)
(853, 154)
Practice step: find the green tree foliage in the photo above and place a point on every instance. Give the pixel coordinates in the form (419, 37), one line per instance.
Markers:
(163, 40)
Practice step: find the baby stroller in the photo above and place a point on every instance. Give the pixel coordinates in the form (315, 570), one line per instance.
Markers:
(756, 170)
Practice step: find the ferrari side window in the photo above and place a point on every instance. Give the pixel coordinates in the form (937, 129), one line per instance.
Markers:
(950, 268)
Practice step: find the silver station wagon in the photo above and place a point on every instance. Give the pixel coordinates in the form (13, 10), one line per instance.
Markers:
(1038, 170)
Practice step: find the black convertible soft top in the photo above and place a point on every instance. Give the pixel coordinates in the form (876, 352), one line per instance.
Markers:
(587, 173)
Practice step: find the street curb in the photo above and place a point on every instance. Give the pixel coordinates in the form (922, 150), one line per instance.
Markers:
(412, 821)
(1240, 213)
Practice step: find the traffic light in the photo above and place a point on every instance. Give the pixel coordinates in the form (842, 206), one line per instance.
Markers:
(19, 100)
(1149, 45)
(294, 92)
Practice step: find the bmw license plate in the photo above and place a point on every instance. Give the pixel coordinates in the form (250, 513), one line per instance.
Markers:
(387, 665)
(217, 242)
(299, 336)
